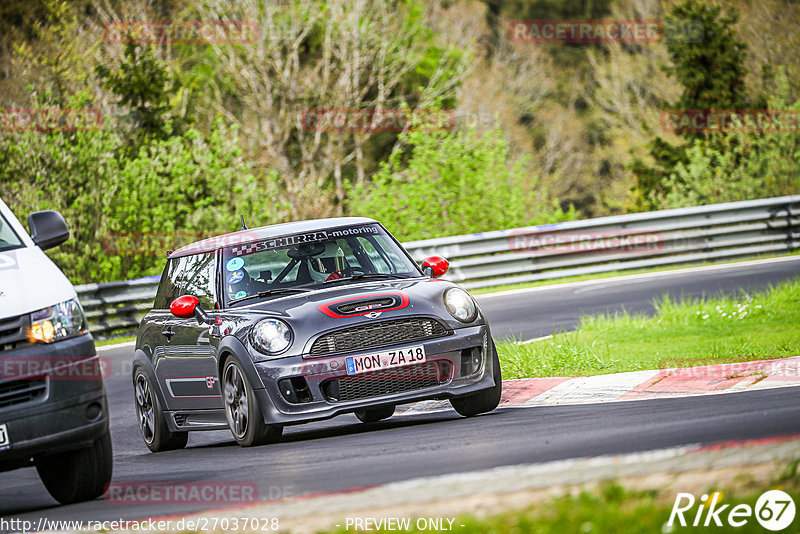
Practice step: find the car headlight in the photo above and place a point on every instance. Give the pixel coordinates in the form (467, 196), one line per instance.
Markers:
(58, 322)
(460, 305)
(271, 336)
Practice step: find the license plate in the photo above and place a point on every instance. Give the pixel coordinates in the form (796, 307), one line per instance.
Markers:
(4, 441)
(385, 360)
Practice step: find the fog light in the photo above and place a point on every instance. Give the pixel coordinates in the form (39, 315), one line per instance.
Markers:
(94, 411)
(470, 361)
(295, 390)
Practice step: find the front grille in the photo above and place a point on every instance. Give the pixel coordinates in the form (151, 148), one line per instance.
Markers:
(20, 391)
(13, 331)
(372, 304)
(377, 335)
(386, 381)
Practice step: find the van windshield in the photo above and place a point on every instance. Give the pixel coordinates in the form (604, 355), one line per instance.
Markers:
(8, 238)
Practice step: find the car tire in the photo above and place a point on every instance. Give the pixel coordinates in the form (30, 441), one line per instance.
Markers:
(80, 475)
(373, 415)
(152, 423)
(245, 418)
(483, 401)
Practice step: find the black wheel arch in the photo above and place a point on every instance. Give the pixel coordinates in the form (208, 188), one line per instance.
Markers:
(231, 346)
(141, 361)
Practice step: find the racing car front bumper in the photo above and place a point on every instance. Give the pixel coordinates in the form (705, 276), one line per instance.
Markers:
(298, 390)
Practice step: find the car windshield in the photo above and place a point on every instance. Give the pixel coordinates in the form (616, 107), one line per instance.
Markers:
(8, 238)
(303, 261)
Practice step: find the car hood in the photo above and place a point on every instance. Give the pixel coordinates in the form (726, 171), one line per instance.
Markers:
(30, 281)
(312, 313)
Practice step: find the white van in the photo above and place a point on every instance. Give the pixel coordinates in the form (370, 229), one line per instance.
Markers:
(53, 409)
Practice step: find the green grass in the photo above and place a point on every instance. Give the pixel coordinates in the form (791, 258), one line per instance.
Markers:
(681, 334)
(612, 274)
(613, 508)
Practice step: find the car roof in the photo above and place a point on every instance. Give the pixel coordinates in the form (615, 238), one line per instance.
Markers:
(210, 244)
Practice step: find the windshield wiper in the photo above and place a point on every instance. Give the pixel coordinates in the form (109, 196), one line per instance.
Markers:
(364, 276)
(269, 292)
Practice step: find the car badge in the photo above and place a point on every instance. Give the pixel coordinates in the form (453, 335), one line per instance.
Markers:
(372, 315)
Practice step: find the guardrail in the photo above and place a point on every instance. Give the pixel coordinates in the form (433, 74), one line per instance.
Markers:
(521, 255)
(117, 307)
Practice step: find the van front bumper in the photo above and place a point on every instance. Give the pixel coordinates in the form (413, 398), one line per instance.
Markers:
(52, 399)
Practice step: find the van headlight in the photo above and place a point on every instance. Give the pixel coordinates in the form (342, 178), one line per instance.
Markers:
(271, 336)
(460, 305)
(62, 321)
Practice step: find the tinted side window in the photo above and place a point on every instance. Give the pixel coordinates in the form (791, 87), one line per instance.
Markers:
(168, 289)
(198, 278)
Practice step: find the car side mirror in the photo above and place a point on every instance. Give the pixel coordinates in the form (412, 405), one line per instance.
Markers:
(48, 228)
(435, 266)
(188, 306)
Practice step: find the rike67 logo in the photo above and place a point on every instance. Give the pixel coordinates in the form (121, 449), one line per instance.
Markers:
(774, 510)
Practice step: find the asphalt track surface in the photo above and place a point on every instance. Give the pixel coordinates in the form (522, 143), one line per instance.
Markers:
(342, 453)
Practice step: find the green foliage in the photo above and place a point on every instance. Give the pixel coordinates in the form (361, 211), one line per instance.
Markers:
(143, 183)
(711, 67)
(711, 71)
(53, 51)
(317, 55)
(651, 178)
(449, 183)
(732, 168)
(736, 166)
(146, 88)
(683, 333)
(155, 168)
(69, 173)
(171, 191)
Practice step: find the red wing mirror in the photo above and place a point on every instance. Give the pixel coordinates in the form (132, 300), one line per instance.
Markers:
(184, 306)
(435, 266)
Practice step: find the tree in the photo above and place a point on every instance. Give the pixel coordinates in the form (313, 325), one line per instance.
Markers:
(734, 166)
(123, 209)
(711, 71)
(710, 67)
(449, 183)
(310, 55)
(146, 88)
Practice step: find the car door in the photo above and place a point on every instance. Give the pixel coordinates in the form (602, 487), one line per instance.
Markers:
(186, 364)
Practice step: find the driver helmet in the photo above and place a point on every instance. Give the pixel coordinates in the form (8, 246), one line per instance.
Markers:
(323, 265)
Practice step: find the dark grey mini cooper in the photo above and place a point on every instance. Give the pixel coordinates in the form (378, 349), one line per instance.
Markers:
(299, 322)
